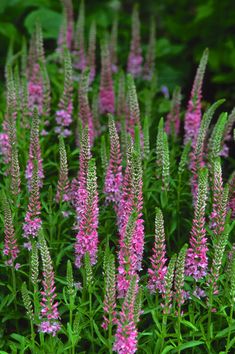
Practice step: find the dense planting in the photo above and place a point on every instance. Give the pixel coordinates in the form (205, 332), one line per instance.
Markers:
(117, 224)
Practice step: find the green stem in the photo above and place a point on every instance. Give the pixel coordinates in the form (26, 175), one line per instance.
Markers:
(91, 320)
(210, 304)
(110, 334)
(230, 328)
(179, 337)
(32, 336)
(14, 285)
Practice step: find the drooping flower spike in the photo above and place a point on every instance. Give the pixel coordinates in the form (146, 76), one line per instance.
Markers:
(135, 59)
(158, 260)
(64, 113)
(106, 95)
(113, 179)
(87, 236)
(168, 292)
(179, 294)
(193, 114)
(49, 306)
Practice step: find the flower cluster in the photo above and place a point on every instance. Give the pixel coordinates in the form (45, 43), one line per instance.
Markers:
(113, 179)
(49, 307)
(158, 260)
(197, 260)
(87, 236)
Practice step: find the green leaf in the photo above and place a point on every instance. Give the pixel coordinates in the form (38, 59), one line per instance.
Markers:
(189, 324)
(167, 349)
(191, 344)
(8, 29)
(50, 22)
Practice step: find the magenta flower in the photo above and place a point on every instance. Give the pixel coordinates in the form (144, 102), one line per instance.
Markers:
(32, 220)
(131, 228)
(66, 31)
(35, 90)
(135, 59)
(79, 185)
(4, 147)
(34, 152)
(113, 179)
(87, 236)
(158, 260)
(197, 260)
(106, 94)
(193, 114)
(113, 45)
(49, 307)
(126, 333)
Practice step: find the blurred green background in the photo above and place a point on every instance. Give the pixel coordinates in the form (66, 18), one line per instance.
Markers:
(184, 29)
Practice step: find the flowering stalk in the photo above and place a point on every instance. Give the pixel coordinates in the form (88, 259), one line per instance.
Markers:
(227, 137)
(49, 306)
(106, 94)
(133, 110)
(197, 261)
(160, 147)
(87, 236)
(64, 113)
(91, 62)
(109, 317)
(149, 64)
(216, 138)
(121, 100)
(158, 260)
(126, 334)
(79, 46)
(172, 125)
(65, 37)
(135, 58)
(32, 219)
(197, 154)
(113, 45)
(231, 203)
(179, 278)
(11, 249)
(113, 179)
(193, 114)
(165, 163)
(78, 188)
(63, 182)
(34, 152)
(219, 205)
(85, 113)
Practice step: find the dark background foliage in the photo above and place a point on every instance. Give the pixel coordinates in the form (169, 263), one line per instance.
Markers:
(184, 29)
